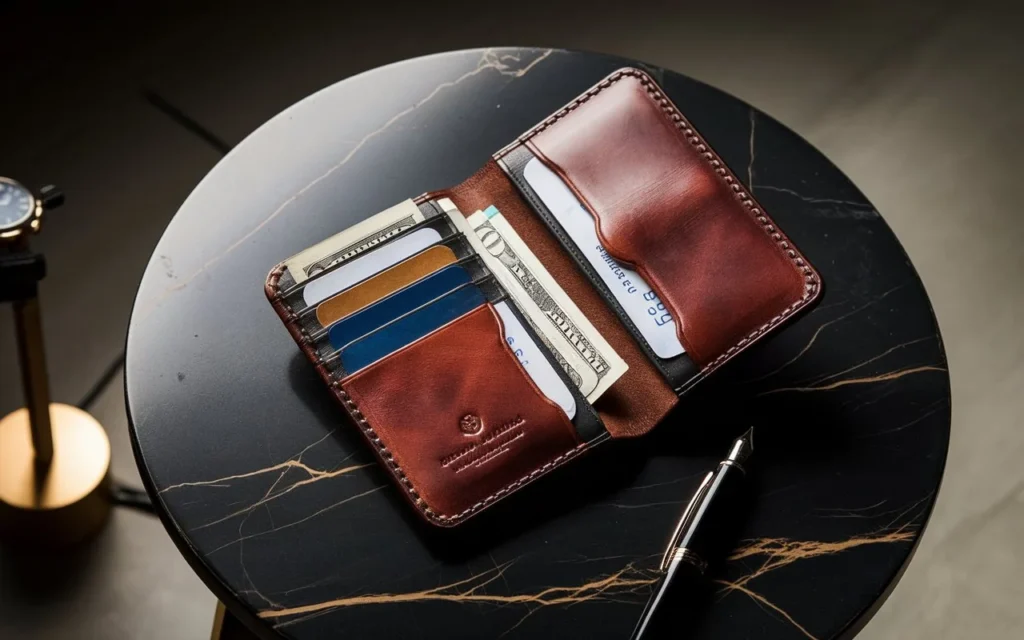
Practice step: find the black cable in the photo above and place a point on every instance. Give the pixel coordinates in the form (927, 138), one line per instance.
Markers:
(121, 495)
(138, 499)
(101, 384)
(185, 120)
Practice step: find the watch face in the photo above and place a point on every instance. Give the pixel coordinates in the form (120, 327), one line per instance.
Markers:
(16, 205)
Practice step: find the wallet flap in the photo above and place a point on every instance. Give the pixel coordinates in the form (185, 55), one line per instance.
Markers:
(666, 204)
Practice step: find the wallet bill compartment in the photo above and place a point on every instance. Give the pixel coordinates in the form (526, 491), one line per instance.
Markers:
(641, 397)
(667, 205)
(678, 371)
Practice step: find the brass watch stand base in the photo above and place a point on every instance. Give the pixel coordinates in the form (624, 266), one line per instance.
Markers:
(62, 502)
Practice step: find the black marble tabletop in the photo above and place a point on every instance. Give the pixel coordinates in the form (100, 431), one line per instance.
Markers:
(278, 505)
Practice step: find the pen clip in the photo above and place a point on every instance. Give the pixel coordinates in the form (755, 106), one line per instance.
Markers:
(684, 520)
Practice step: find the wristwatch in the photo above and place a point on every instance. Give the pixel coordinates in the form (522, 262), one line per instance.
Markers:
(21, 211)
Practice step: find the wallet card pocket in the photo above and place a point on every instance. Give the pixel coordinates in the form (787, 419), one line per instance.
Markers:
(456, 419)
(664, 203)
(632, 300)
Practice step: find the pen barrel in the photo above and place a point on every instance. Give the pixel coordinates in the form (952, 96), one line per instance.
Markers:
(712, 533)
(675, 605)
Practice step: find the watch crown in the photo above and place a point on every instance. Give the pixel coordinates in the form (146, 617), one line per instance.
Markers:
(51, 197)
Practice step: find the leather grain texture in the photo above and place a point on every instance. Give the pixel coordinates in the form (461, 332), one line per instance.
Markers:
(457, 419)
(641, 397)
(306, 343)
(454, 418)
(666, 204)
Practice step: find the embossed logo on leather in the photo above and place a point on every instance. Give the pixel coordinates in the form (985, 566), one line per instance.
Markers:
(471, 425)
(498, 441)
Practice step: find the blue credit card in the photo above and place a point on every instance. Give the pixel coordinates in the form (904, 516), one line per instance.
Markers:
(386, 340)
(402, 301)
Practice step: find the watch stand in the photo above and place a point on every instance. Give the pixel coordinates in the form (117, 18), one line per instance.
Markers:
(54, 457)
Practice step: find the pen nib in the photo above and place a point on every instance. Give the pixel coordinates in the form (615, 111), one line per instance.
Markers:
(742, 447)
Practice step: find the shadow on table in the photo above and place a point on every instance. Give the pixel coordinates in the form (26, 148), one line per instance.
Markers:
(701, 426)
(38, 577)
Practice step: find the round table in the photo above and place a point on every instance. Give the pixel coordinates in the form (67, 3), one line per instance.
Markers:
(277, 503)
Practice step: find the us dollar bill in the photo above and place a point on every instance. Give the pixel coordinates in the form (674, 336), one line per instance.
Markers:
(582, 351)
(353, 241)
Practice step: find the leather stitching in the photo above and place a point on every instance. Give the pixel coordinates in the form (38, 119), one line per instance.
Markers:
(811, 280)
(273, 284)
(301, 336)
(812, 288)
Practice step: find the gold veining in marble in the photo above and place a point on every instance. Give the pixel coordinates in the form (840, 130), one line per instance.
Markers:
(882, 377)
(627, 580)
(275, 490)
(822, 327)
(775, 552)
(781, 552)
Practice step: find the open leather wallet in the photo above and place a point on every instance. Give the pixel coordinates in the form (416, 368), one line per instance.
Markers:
(568, 293)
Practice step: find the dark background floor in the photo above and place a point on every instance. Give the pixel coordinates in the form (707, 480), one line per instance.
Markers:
(919, 102)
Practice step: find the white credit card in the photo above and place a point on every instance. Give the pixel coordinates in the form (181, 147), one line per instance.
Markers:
(364, 266)
(636, 297)
(534, 362)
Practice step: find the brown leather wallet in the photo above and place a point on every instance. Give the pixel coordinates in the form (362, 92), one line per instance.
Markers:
(453, 415)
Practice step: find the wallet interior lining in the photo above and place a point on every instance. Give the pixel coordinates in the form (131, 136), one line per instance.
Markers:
(638, 400)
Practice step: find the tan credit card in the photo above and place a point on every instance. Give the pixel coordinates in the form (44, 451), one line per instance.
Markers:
(383, 284)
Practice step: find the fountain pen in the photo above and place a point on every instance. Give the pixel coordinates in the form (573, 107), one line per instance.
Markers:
(697, 537)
